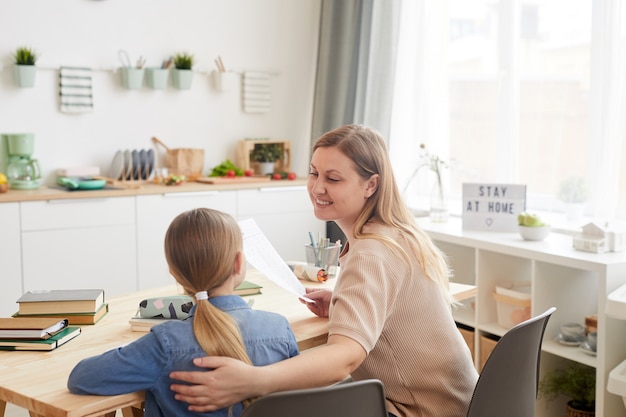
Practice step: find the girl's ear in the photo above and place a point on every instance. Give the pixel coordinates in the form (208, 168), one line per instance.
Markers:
(372, 185)
(239, 263)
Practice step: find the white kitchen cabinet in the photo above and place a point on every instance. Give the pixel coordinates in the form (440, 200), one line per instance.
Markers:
(79, 243)
(576, 283)
(116, 241)
(10, 255)
(154, 215)
(285, 215)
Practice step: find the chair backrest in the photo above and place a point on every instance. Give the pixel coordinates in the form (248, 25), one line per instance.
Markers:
(360, 398)
(508, 382)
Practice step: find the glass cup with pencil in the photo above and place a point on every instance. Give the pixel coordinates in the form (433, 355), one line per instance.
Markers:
(323, 254)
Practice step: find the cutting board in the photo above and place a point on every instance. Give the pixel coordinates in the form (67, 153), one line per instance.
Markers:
(233, 180)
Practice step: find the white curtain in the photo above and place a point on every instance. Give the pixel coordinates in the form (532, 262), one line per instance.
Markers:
(420, 102)
(608, 98)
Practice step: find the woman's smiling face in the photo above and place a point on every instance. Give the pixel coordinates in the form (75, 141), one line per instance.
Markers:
(335, 188)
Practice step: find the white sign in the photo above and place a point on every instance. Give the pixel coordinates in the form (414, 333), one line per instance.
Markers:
(493, 207)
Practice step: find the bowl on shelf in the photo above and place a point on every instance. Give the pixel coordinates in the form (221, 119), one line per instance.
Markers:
(534, 232)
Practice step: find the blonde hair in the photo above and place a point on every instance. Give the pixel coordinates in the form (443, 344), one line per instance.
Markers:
(367, 150)
(201, 246)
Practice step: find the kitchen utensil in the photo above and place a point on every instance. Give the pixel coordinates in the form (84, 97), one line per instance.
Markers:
(124, 58)
(128, 166)
(149, 163)
(142, 164)
(233, 180)
(78, 183)
(136, 165)
(117, 165)
(22, 170)
(141, 62)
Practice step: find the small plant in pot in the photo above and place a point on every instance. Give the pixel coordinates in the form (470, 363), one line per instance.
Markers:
(266, 154)
(576, 381)
(24, 70)
(182, 75)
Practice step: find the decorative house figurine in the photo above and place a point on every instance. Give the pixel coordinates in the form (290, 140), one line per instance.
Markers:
(601, 238)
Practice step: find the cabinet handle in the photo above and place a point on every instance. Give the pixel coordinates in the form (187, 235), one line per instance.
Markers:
(282, 189)
(191, 194)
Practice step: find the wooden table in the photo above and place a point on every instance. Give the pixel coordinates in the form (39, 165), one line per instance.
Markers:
(37, 380)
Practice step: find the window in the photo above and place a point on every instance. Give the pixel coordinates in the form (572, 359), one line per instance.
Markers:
(521, 97)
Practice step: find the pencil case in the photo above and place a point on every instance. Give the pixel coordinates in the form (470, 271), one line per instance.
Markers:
(170, 307)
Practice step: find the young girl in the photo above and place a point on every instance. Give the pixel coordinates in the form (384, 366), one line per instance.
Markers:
(203, 248)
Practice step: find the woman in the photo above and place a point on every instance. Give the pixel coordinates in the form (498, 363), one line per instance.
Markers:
(204, 252)
(390, 313)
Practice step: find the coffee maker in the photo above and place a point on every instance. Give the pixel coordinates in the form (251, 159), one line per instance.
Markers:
(22, 170)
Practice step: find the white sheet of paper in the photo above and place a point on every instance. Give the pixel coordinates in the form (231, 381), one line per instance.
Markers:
(261, 255)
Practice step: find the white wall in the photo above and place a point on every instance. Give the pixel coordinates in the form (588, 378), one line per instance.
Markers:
(275, 35)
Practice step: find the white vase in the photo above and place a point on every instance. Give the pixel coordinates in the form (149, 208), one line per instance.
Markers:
(438, 203)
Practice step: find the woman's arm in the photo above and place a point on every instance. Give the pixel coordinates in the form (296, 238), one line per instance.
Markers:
(231, 381)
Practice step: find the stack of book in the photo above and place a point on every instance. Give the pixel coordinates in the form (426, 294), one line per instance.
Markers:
(36, 333)
(79, 306)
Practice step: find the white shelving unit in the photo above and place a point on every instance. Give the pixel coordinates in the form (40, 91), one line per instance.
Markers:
(576, 283)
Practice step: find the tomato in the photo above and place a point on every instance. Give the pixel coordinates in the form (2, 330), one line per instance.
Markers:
(277, 176)
(291, 176)
(230, 173)
(249, 173)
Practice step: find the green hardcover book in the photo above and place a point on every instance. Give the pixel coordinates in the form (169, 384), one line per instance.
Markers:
(74, 318)
(248, 288)
(51, 343)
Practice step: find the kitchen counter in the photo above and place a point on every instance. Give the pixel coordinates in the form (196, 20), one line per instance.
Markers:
(121, 190)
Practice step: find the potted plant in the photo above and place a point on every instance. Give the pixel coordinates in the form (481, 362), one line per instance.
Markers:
(576, 381)
(24, 69)
(182, 75)
(266, 154)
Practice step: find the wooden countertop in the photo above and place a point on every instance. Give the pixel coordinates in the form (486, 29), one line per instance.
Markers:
(120, 189)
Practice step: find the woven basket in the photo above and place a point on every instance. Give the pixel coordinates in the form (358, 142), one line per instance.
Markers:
(572, 412)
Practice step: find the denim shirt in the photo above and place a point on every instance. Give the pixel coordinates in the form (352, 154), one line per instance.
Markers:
(146, 363)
